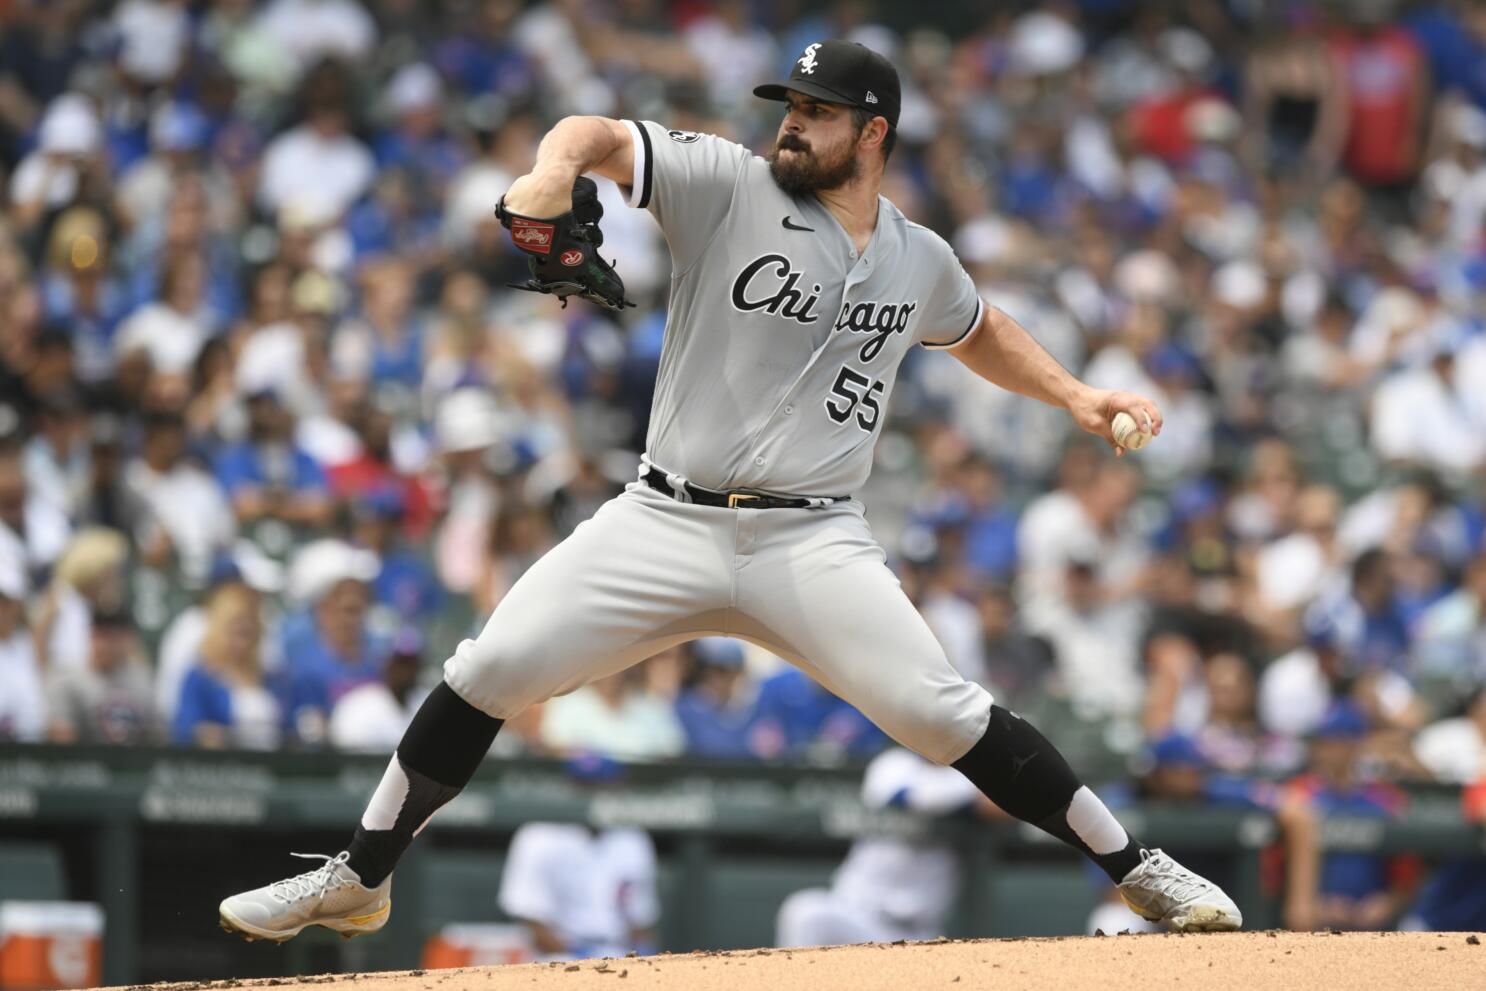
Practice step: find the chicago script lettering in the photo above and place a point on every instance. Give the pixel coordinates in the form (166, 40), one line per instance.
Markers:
(771, 284)
(879, 319)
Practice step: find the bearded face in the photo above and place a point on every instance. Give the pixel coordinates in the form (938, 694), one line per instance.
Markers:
(802, 166)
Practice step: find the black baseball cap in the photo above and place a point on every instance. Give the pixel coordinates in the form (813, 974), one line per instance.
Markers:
(842, 72)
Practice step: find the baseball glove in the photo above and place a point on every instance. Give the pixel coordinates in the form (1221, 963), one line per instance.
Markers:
(563, 251)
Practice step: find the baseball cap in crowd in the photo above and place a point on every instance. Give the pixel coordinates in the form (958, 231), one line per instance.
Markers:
(842, 72)
(323, 564)
(719, 652)
(1176, 750)
(1342, 721)
(416, 86)
(1044, 44)
(70, 127)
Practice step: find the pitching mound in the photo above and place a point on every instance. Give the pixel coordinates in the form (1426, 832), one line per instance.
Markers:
(1217, 962)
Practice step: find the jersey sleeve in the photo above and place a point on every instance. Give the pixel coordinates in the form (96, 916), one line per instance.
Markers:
(526, 889)
(954, 309)
(686, 180)
(639, 899)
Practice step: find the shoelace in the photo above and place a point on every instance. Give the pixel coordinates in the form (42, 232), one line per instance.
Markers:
(315, 882)
(1165, 876)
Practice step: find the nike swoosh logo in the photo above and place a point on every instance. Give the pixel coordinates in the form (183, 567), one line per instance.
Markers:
(361, 920)
(795, 227)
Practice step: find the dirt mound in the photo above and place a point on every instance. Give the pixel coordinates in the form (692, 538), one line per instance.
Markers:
(1215, 962)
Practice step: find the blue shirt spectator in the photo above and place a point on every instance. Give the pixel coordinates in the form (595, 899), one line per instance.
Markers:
(329, 650)
(246, 465)
(796, 717)
(223, 699)
(718, 710)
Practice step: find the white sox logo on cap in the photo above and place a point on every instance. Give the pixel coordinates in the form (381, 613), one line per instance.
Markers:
(807, 61)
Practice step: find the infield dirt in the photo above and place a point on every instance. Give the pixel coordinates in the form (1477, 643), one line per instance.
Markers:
(1212, 962)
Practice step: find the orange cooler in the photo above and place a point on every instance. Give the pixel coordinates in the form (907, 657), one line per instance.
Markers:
(477, 944)
(46, 945)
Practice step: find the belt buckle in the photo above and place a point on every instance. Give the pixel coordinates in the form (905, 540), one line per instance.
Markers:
(736, 497)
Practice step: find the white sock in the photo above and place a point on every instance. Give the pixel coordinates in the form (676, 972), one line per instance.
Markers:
(1095, 824)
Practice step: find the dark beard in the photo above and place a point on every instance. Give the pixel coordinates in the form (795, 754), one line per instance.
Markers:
(805, 175)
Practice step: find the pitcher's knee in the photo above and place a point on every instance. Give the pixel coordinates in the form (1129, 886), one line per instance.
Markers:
(498, 677)
(941, 725)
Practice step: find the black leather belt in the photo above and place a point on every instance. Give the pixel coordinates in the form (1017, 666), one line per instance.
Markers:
(737, 499)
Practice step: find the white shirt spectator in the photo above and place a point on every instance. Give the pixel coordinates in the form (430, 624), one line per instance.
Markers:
(546, 36)
(1098, 657)
(171, 339)
(153, 36)
(71, 635)
(736, 53)
(1454, 750)
(1053, 529)
(1292, 571)
(369, 719)
(642, 727)
(1450, 637)
(593, 889)
(303, 168)
(68, 131)
(46, 532)
(308, 29)
(1056, 529)
(190, 507)
(1470, 378)
(467, 204)
(1419, 417)
(1293, 694)
(22, 702)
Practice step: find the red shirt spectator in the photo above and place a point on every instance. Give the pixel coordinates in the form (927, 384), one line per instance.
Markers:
(1387, 85)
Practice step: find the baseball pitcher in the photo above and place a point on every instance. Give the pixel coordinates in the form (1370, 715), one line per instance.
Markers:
(796, 291)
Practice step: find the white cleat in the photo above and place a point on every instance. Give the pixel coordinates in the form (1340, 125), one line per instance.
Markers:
(331, 895)
(1161, 890)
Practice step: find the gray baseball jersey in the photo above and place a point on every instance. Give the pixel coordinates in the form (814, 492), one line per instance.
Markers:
(781, 349)
(782, 344)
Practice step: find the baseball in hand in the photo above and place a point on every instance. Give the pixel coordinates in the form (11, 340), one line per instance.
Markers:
(1127, 433)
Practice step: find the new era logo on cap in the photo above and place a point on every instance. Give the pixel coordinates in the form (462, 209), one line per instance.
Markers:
(871, 97)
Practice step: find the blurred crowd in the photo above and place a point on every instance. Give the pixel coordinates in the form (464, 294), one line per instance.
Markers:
(274, 433)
